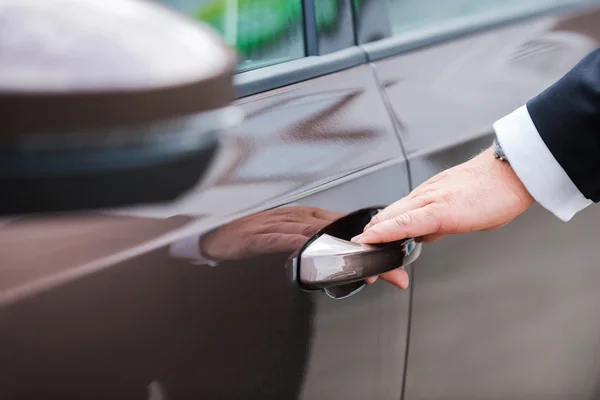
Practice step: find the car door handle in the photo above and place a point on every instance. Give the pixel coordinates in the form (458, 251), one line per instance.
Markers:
(329, 261)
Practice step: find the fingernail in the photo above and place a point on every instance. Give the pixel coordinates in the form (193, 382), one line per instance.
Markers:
(356, 238)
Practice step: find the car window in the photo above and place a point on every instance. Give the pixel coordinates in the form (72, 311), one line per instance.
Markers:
(408, 15)
(264, 32)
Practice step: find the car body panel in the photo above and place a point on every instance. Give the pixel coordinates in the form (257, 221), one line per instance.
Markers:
(505, 314)
(488, 74)
(134, 303)
(104, 304)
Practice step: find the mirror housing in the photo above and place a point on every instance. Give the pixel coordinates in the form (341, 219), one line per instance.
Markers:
(107, 103)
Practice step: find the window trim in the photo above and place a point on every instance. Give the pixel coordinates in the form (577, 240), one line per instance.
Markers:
(457, 28)
(311, 32)
(287, 73)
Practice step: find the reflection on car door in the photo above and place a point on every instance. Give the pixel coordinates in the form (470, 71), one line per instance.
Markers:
(506, 314)
(191, 299)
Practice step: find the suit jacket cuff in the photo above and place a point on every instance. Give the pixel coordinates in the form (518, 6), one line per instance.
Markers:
(567, 119)
(536, 167)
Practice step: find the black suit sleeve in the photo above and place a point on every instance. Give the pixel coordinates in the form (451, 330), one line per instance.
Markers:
(567, 117)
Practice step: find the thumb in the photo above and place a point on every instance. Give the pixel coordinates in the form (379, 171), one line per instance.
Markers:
(420, 222)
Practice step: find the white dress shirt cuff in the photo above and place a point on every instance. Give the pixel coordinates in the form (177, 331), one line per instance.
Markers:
(536, 167)
(189, 249)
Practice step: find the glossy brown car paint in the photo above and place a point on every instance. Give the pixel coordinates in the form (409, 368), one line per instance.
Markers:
(102, 306)
(510, 314)
(98, 305)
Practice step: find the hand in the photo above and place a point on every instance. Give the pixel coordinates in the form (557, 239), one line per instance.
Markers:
(282, 230)
(481, 194)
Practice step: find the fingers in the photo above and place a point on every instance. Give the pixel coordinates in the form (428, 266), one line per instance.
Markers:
(400, 207)
(432, 238)
(273, 243)
(420, 222)
(492, 228)
(330, 216)
(305, 229)
(300, 214)
(397, 277)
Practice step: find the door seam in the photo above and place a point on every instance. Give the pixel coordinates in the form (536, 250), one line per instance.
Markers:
(396, 126)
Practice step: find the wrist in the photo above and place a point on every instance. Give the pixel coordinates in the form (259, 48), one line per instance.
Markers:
(504, 173)
(536, 166)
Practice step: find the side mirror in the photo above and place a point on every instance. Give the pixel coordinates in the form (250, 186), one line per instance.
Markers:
(106, 103)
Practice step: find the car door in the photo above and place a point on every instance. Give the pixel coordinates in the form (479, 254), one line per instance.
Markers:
(192, 299)
(508, 314)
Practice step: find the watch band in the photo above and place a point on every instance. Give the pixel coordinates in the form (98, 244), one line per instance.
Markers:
(498, 152)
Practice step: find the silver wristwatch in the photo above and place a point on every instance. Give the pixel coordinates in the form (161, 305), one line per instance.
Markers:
(498, 152)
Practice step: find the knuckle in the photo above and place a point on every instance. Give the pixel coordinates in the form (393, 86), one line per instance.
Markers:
(270, 226)
(272, 239)
(425, 198)
(308, 230)
(403, 220)
(313, 212)
(434, 216)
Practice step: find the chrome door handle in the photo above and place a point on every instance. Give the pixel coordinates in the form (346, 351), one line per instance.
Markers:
(329, 261)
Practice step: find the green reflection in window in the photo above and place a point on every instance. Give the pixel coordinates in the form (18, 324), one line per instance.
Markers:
(264, 32)
(251, 24)
(327, 12)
